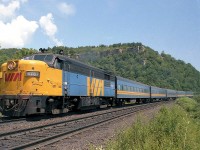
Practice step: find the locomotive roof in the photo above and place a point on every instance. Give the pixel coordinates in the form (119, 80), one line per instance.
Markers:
(73, 61)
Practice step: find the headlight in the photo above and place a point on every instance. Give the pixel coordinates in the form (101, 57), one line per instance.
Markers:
(33, 73)
(11, 65)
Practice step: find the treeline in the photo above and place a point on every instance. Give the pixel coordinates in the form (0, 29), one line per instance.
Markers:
(13, 53)
(130, 60)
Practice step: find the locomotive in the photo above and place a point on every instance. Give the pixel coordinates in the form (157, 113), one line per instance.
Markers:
(53, 83)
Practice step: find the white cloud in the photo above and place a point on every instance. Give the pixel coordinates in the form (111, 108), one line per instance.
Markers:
(17, 33)
(67, 9)
(46, 23)
(9, 10)
(50, 29)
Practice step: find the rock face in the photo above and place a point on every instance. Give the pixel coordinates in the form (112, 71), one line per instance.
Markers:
(93, 55)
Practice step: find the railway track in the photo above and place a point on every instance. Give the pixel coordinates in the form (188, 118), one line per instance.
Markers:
(6, 120)
(44, 135)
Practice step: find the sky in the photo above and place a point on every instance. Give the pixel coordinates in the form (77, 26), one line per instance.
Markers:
(172, 26)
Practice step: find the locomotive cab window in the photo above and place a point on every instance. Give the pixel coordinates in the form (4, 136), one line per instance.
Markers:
(45, 58)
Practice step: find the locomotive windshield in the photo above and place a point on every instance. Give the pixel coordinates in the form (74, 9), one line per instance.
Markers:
(45, 58)
(49, 59)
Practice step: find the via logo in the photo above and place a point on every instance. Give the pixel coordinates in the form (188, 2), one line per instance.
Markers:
(95, 87)
(13, 77)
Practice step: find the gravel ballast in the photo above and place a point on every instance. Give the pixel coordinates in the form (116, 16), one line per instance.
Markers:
(99, 136)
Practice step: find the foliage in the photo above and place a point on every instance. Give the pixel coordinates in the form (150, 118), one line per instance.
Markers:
(197, 98)
(192, 106)
(164, 72)
(171, 129)
(12, 53)
(187, 103)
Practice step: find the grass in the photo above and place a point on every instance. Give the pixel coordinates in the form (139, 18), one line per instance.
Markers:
(192, 106)
(176, 128)
(187, 103)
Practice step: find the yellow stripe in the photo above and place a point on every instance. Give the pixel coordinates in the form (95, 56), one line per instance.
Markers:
(158, 95)
(181, 95)
(132, 93)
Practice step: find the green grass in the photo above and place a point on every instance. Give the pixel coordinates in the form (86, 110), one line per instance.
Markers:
(192, 106)
(187, 103)
(176, 128)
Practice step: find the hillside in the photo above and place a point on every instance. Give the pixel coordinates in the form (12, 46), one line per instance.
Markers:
(130, 60)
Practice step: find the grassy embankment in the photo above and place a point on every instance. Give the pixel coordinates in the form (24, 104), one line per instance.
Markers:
(172, 128)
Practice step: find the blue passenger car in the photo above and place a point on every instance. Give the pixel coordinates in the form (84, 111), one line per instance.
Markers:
(189, 94)
(171, 94)
(158, 93)
(181, 93)
(128, 89)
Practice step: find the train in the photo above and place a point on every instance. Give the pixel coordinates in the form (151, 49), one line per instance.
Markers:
(47, 83)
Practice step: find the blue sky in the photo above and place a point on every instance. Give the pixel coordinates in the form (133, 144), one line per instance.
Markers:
(172, 26)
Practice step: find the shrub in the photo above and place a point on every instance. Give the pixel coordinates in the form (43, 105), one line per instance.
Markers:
(191, 105)
(197, 98)
(174, 128)
(187, 103)
(170, 129)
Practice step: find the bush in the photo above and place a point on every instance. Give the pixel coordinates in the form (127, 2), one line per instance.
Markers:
(170, 129)
(187, 103)
(197, 98)
(174, 128)
(191, 105)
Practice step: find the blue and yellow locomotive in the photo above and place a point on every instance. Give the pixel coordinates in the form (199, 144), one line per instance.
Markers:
(51, 83)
